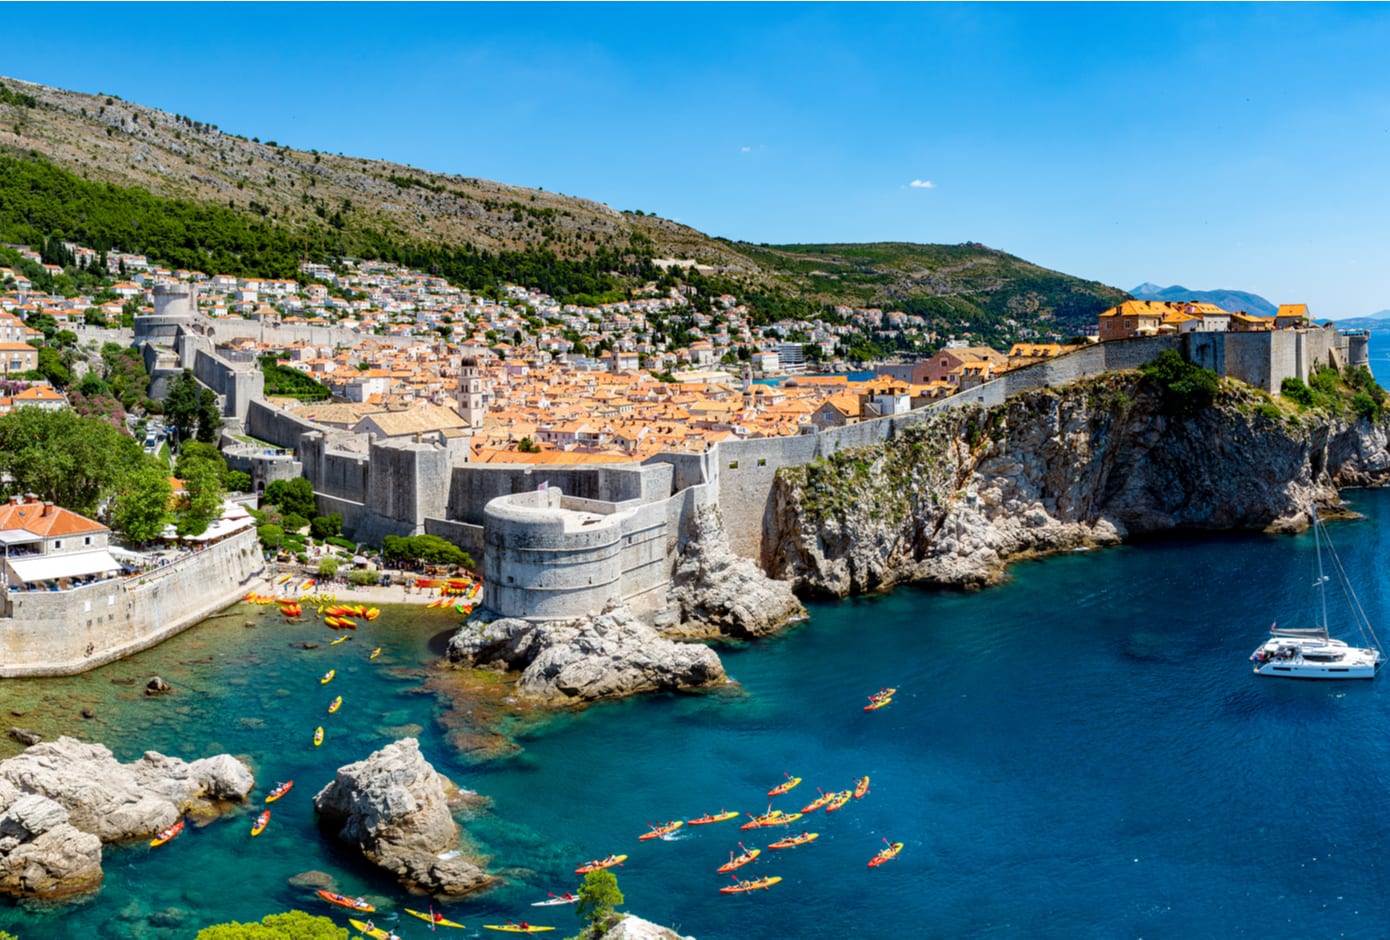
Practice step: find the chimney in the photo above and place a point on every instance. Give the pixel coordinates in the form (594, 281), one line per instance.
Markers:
(47, 508)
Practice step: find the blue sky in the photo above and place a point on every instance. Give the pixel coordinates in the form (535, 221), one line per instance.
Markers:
(1223, 145)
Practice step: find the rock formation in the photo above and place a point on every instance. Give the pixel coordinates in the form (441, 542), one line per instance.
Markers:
(393, 807)
(952, 500)
(715, 592)
(635, 928)
(41, 853)
(605, 656)
(62, 799)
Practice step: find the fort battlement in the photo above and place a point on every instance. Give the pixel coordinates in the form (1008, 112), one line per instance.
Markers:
(538, 561)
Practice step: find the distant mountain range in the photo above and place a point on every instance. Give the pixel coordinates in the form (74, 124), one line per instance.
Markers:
(1234, 300)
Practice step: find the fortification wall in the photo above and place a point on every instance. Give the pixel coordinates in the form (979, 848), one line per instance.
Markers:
(276, 426)
(473, 486)
(228, 328)
(238, 385)
(49, 632)
(540, 564)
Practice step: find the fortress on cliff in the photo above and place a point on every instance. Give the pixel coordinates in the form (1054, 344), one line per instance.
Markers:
(558, 541)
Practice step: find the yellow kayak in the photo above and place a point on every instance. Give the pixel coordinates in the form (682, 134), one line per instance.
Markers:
(337, 704)
(522, 927)
(341, 639)
(439, 920)
(376, 933)
(318, 735)
(375, 653)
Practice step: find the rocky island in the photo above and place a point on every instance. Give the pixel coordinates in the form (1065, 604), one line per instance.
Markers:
(394, 808)
(61, 800)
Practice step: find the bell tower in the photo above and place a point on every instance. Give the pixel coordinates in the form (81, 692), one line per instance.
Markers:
(469, 395)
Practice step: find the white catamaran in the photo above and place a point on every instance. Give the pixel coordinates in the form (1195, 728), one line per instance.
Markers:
(1310, 652)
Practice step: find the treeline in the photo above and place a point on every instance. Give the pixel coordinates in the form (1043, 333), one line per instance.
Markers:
(41, 203)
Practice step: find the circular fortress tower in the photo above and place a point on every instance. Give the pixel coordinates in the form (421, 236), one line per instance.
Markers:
(545, 560)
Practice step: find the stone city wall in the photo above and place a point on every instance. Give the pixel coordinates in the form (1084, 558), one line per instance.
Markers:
(48, 633)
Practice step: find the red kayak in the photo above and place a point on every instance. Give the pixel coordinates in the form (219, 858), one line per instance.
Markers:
(355, 904)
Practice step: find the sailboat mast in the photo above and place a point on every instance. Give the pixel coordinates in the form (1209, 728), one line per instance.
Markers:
(1322, 578)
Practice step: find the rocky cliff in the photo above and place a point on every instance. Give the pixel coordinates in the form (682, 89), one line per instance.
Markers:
(60, 800)
(952, 500)
(393, 807)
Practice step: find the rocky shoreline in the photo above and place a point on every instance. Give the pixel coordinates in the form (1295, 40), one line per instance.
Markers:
(954, 500)
(61, 800)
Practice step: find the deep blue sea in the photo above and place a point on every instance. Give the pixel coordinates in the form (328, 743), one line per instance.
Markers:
(1081, 752)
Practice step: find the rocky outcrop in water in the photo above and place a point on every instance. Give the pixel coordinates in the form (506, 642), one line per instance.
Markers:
(62, 799)
(953, 499)
(41, 853)
(716, 593)
(393, 807)
(635, 928)
(607, 655)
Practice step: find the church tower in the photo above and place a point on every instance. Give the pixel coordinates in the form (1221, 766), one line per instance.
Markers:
(470, 393)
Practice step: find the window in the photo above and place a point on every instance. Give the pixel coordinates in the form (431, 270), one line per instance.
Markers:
(58, 543)
(86, 540)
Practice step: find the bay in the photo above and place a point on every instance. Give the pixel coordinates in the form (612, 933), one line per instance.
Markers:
(1081, 752)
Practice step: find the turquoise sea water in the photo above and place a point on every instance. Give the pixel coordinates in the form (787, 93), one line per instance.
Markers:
(1081, 752)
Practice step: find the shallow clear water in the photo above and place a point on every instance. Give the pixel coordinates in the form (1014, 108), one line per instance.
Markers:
(1081, 752)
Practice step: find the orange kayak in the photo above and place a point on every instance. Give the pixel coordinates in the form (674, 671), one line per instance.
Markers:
(861, 786)
(659, 831)
(279, 791)
(818, 802)
(792, 842)
(758, 885)
(774, 818)
(781, 788)
(839, 801)
(886, 855)
(166, 834)
(596, 865)
(262, 821)
(736, 862)
(708, 818)
(356, 904)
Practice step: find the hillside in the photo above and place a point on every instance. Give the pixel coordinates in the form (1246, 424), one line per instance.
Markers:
(1235, 300)
(319, 204)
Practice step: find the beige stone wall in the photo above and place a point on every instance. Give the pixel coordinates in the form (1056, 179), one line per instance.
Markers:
(49, 633)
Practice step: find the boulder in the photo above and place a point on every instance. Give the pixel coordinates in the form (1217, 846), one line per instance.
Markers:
(117, 802)
(157, 686)
(719, 593)
(608, 655)
(635, 928)
(393, 807)
(41, 853)
(26, 738)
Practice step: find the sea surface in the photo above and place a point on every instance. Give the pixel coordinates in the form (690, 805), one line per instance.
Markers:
(1080, 752)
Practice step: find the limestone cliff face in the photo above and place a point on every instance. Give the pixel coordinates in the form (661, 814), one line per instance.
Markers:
(950, 501)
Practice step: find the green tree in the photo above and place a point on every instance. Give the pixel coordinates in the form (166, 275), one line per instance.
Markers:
(328, 567)
(52, 367)
(203, 503)
(292, 496)
(63, 457)
(429, 549)
(182, 404)
(1187, 388)
(141, 508)
(598, 896)
(294, 925)
(271, 536)
(195, 451)
(209, 416)
(325, 527)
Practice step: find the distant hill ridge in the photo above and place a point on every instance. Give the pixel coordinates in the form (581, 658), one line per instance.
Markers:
(1233, 300)
(463, 227)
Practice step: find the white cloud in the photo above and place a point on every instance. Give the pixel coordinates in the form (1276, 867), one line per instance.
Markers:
(745, 149)
(922, 184)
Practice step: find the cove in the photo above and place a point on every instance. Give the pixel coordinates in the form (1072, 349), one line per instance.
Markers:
(1081, 751)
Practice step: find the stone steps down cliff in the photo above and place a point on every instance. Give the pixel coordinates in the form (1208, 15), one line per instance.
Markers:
(60, 800)
(952, 500)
